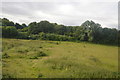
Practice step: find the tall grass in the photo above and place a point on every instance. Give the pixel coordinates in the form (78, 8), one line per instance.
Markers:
(53, 59)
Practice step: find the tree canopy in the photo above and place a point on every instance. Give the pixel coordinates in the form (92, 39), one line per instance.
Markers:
(87, 31)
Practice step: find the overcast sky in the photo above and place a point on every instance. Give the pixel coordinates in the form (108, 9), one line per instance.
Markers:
(69, 12)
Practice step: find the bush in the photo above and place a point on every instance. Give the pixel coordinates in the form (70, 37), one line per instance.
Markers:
(9, 32)
(22, 35)
(23, 51)
(7, 76)
(54, 37)
(40, 54)
(40, 47)
(5, 55)
(33, 57)
(40, 75)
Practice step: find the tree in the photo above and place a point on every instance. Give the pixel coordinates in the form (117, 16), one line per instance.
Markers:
(24, 25)
(93, 30)
(33, 28)
(88, 31)
(6, 22)
(43, 26)
(18, 26)
(9, 32)
(46, 27)
(60, 29)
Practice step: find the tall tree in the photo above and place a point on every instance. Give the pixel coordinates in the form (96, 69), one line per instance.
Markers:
(18, 26)
(6, 22)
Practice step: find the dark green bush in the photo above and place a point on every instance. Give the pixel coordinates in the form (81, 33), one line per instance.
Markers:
(5, 55)
(40, 54)
(22, 35)
(23, 51)
(40, 75)
(34, 57)
(9, 32)
(40, 47)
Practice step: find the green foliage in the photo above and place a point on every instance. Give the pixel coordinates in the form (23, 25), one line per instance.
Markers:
(55, 37)
(22, 35)
(6, 22)
(37, 54)
(5, 55)
(40, 75)
(25, 29)
(95, 33)
(88, 31)
(18, 26)
(24, 25)
(34, 57)
(22, 51)
(9, 31)
(43, 26)
(41, 53)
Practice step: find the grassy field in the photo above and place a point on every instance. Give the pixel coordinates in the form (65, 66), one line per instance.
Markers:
(54, 59)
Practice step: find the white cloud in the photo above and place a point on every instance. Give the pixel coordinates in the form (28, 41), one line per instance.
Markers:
(72, 12)
(60, 1)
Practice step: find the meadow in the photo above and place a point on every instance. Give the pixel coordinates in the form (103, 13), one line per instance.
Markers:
(58, 59)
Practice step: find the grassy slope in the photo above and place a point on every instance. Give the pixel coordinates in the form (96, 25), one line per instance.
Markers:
(64, 59)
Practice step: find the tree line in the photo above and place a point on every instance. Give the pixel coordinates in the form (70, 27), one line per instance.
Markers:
(87, 31)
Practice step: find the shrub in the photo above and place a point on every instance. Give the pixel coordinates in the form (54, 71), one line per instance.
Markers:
(40, 75)
(9, 32)
(54, 37)
(23, 51)
(5, 55)
(22, 35)
(34, 57)
(40, 54)
(7, 76)
(57, 43)
(40, 47)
